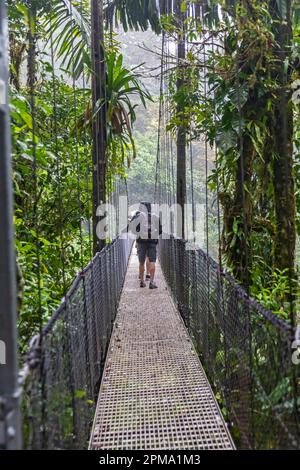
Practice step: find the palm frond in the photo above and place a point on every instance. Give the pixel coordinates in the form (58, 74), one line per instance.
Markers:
(69, 26)
(133, 14)
(121, 86)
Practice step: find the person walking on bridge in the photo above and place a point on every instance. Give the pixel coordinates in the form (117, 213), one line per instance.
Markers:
(147, 229)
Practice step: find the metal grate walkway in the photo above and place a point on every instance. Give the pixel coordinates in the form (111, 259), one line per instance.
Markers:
(154, 392)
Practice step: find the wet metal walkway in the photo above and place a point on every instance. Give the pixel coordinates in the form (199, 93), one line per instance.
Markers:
(154, 392)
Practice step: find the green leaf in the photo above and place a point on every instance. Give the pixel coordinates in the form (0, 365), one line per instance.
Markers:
(27, 119)
(235, 227)
(226, 140)
(283, 8)
(80, 394)
(183, 7)
(239, 95)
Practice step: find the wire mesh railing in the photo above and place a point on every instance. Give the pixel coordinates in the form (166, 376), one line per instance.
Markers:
(65, 362)
(246, 350)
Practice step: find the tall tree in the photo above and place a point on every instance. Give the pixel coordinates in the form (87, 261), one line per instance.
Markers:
(282, 133)
(99, 122)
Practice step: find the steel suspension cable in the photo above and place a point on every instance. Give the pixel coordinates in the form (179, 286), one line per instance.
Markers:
(245, 226)
(158, 149)
(206, 150)
(165, 147)
(166, 120)
(220, 261)
(190, 91)
(172, 197)
(192, 190)
(208, 309)
(169, 137)
(216, 157)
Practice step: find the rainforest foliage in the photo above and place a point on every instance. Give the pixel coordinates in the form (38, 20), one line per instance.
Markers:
(51, 109)
(248, 107)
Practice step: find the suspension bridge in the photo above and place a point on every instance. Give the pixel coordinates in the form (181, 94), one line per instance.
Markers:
(197, 364)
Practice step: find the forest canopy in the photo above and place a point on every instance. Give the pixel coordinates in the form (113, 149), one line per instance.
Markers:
(243, 101)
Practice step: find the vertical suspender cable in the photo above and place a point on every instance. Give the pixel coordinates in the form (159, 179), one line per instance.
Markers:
(206, 151)
(158, 150)
(246, 233)
(168, 110)
(87, 154)
(164, 149)
(181, 134)
(216, 157)
(190, 91)
(220, 273)
(165, 143)
(167, 140)
(172, 187)
(208, 309)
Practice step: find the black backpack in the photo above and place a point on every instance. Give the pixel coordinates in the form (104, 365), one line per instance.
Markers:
(145, 226)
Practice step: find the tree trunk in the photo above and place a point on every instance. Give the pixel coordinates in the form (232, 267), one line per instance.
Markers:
(284, 187)
(243, 212)
(99, 122)
(238, 212)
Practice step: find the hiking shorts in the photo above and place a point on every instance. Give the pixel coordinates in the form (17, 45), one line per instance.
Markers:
(146, 249)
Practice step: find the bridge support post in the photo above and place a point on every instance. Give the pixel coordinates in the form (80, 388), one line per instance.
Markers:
(10, 434)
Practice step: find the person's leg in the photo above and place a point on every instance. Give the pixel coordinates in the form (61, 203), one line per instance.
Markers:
(141, 251)
(142, 271)
(151, 271)
(148, 268)
(152, 260)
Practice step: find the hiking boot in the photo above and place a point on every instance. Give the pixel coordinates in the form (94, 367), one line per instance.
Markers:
(152, 285)
(142, 284)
